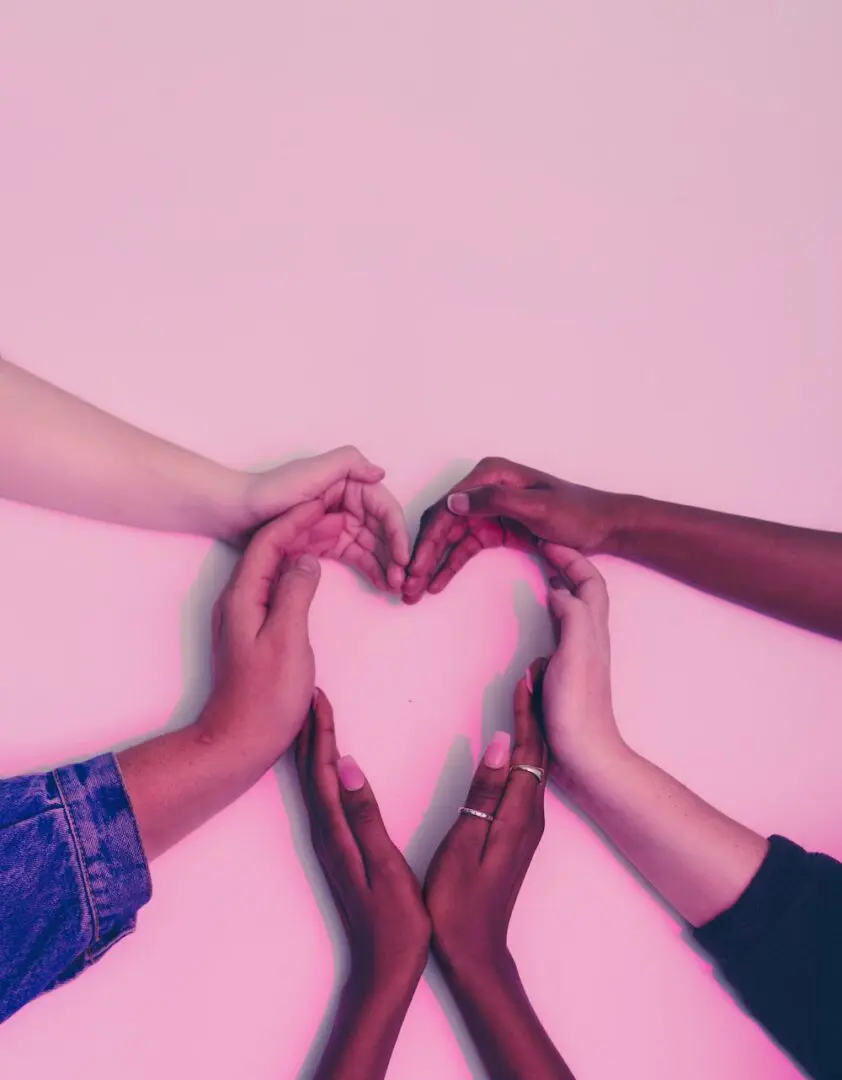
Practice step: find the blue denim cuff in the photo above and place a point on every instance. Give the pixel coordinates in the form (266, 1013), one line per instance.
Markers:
(112, 863)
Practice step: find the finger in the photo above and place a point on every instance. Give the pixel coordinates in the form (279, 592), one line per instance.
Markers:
(431, 540)
(325, 793)
(366, 563)
(523, 798)
(438, 534)
(587, 583)
(248, 596)
(484, 795)
(395, 575)
(366, 823)
(458, 557)
(388, 512)
(344, 463)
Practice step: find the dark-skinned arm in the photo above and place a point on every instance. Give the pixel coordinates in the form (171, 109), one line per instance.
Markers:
(791, 573)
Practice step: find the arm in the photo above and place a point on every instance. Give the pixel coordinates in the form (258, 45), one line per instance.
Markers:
(263, 684)
(697, 858)
(89, 829)
(791, 573)
(379, 899)
(471, 888)
(766, 911)
(61, 453)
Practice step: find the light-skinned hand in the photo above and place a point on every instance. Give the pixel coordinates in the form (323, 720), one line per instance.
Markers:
(373, 538)
(264, 669)
(578, 713)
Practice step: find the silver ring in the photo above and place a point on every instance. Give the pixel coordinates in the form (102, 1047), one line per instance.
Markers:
(476, 813)
(533, 770)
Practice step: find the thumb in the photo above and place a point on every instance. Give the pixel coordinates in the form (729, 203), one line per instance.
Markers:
(527, 505)
(293, 593)
(562, 604)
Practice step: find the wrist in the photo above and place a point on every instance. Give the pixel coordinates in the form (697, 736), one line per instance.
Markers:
(228, 512)
(461, 966)
(366, 988)
(221, 728)
(625, 516)
(477, 979)
(584, 775)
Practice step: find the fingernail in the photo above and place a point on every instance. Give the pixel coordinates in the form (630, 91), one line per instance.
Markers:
(529, 684)
(557, 583)
(497, 751)
(458, 503)
(350, 774)
(308, 563)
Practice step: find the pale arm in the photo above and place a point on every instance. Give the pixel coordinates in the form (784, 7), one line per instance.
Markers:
(59, 452)
(698, 859)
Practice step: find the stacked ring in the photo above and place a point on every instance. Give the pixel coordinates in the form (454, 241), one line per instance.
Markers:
(533, 770)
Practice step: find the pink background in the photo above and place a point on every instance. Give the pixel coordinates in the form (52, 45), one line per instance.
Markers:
(601, 238)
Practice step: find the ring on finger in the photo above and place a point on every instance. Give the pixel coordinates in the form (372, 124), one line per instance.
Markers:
(533, 770)
(476, 813)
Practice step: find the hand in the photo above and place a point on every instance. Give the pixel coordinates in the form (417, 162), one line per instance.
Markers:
(578, 713)
(374, 537)
(376, 893)
(476, 874)
(264, 668)
(503, 504)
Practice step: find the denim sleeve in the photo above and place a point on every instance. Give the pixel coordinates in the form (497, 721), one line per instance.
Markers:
(780, 947)
(73, 875)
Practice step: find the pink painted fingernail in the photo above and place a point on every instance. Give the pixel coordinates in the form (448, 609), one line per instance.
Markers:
(350, 774)
(497, 752)
(529, 684)
(458, 503)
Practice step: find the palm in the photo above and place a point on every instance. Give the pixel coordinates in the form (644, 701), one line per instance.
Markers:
(366, 528)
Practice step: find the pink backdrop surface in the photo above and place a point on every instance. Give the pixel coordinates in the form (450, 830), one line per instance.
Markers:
(601, 238)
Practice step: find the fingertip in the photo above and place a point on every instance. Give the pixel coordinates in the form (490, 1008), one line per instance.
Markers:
(497, 752)
(307, 564)
(396, 577)
(458, 502)
(351, 776)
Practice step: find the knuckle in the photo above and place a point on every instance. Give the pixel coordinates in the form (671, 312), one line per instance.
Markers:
(365, 813)
(485, 789)
(493, 461)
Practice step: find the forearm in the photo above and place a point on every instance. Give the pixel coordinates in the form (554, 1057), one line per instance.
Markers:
(178, 781)
(61, 453)
(698, 859)
(790, 573)
(508, 1035)
(368, 1022)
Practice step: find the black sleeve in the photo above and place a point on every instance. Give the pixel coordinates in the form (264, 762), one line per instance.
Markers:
(780, 947)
